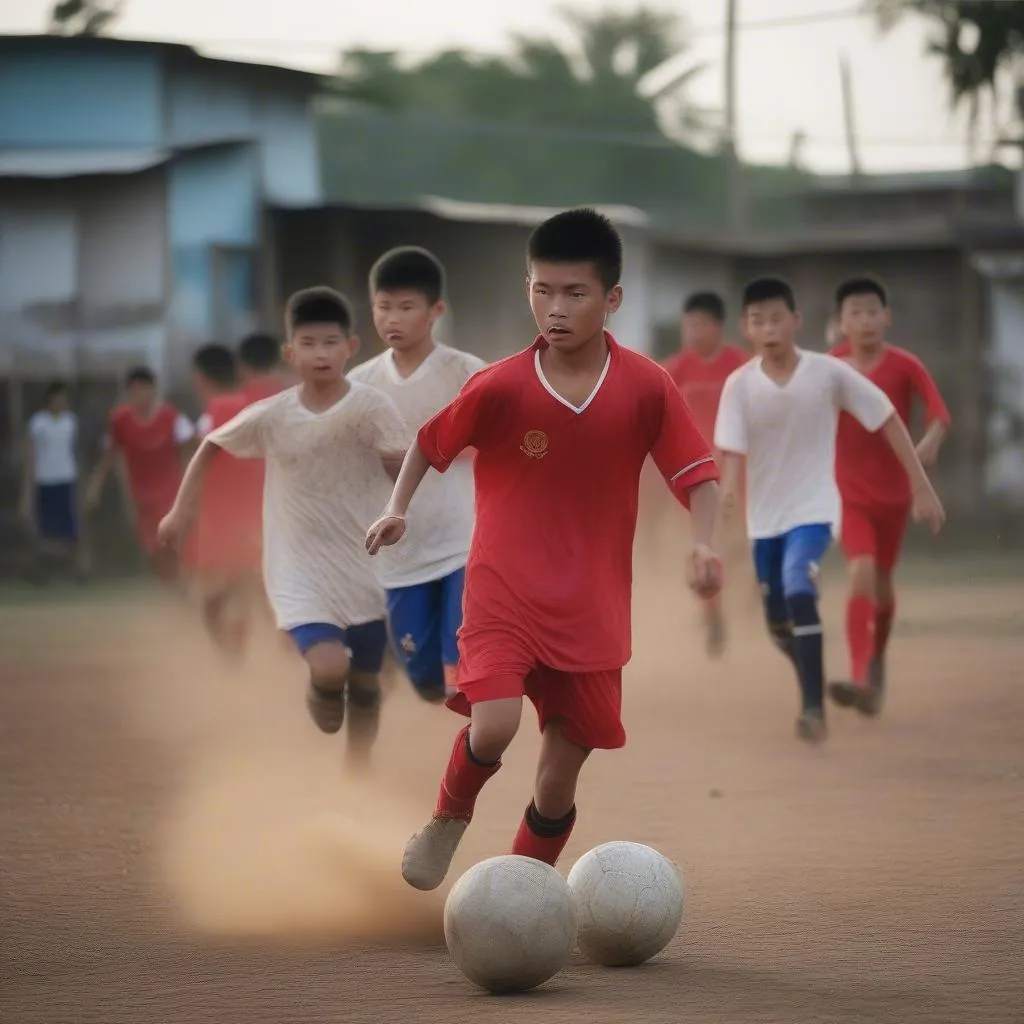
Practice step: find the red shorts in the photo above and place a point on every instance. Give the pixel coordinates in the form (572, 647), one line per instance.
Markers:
(497, 665)
(875, 533)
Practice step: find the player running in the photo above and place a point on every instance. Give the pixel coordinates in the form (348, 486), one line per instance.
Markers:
(424, 579)
(228, 525)
(875, 489)
(561, 431)
(149, 437)
(778, 419)
(700, 370)
(329, 446)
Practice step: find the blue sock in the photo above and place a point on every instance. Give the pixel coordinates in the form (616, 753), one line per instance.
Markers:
(809, 649)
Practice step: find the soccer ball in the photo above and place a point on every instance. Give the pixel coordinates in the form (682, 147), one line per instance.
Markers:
(510, 923)
(629, 902)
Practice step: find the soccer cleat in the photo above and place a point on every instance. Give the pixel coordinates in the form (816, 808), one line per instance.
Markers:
(868, 700)
(811, 728)
(326, 708)
(429, 854)
(844, 694)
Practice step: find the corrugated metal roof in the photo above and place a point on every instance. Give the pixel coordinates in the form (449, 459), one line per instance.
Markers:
(72, 163)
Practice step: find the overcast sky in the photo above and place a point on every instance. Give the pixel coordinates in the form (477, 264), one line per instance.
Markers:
(788, 74)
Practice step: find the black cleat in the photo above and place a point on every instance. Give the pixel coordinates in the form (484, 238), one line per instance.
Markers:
(326, 708)
(867, 700)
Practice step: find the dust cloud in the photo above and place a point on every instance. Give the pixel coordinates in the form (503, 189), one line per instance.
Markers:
(266, 834)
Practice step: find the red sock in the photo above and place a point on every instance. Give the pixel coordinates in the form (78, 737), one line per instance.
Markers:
(883, 627)
(463, 779)
(543, 838)
(860, 635)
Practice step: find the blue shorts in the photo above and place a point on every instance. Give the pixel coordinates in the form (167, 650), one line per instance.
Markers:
(56, 514)
(424, 622)
(787, 565)
(365, 642)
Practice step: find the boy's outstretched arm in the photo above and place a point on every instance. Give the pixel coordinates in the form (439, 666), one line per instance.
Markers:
(926, 505)
(390, 527)
(175, 525)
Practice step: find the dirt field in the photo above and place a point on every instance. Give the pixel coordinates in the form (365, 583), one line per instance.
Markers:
(177, 843)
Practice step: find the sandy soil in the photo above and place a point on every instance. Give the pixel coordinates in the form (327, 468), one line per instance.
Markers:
(178, 844)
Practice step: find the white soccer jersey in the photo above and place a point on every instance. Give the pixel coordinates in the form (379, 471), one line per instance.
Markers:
(324, 486)
(53, 447)
(788, 434)
(441, 517)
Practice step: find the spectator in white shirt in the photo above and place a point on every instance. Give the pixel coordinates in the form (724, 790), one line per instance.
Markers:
(49, 486)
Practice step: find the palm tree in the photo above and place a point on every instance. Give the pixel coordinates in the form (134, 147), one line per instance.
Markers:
(592, 84)
(980, 42)
(83, 17)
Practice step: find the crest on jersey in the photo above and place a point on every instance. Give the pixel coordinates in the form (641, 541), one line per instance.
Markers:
(408, 644)
(535, 444)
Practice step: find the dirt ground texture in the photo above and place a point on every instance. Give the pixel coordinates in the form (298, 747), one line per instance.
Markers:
(178, 845)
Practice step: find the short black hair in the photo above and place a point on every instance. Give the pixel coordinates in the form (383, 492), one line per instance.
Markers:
(259, 351)
(53, 389)
(140, 375)
(764, 289)
(579, 236)
(217, 363)
(709, 303)
(409, 268)
(861, 286)
(319, 305)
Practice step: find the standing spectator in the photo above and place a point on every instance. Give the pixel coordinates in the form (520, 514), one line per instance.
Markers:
(49, 484)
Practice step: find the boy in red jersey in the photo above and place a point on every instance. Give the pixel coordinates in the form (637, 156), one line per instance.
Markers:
(700, 370)
(149, 436)
(874, 487)
(228, 526)
(260, 370)
(561, 432)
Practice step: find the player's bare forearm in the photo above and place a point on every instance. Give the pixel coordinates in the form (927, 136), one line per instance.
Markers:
(187, 501)
(411, 475)
(929, 445)
(704, 512)
(98, 477)
(895, 432)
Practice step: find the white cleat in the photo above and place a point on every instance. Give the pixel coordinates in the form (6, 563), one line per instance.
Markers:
(429, 854)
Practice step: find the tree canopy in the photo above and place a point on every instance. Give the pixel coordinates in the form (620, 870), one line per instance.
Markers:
(548, 122)
(978, 41)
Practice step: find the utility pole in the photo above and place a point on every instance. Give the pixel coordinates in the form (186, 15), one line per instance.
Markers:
(735, 197)
(849, 122)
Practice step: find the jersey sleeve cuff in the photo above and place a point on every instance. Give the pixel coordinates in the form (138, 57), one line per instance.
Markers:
(431, 452)
(701, 472)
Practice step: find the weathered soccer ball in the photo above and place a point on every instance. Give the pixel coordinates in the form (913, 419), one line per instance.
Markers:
(510, 923)
(629, 902)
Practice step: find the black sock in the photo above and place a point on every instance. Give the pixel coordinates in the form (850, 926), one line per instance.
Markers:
(780, 629)
(809, 649)
(549, 828)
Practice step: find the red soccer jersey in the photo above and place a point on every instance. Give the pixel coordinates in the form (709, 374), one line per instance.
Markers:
(700, 381)
(229, 523)
(556, 498)
(151, 452)
(867, 471)
(264, 386)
